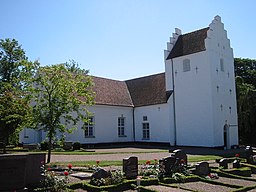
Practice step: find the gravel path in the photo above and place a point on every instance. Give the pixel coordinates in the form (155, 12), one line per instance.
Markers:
(232, 181)
(205, 187)
(107, 157)
(164, 188)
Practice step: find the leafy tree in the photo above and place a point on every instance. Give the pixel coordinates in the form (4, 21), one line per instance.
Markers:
(15, 79)
(245, 68)
(61, 94)
(246, 99)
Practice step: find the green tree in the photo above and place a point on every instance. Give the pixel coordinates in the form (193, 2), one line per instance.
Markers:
(245, 68)
(61, 94)
(15, 80)
(246, 99)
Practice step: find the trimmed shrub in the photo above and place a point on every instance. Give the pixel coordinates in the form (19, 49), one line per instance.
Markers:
(44, 145)
(76, 146)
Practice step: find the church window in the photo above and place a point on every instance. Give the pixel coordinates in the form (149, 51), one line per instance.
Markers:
(145, 130)
(221, 65)
(89, 127)
(186, 65)
(121, 123)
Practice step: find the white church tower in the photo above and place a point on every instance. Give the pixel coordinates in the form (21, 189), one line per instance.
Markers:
(199, 70)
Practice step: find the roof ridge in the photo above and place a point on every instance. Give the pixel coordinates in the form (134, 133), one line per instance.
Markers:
(196, 31)
(145, 76)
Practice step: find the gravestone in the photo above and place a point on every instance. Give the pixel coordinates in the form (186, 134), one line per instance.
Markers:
(130, 167)
(33, 171)
(168, 164)
(180, 155)
(223, 163)
(202, 168)
(12, 172)
(236, 164)
(252, 159)
(100, 173)
(248, 154)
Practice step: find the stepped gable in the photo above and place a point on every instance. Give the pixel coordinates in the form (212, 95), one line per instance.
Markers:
(149, 90)
(189, 43)
(111, 92)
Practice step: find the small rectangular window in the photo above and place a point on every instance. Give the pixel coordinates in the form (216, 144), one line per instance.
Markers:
(186, 65)
(89, 127)
(145, 130)
(121, 126)
(145, 118)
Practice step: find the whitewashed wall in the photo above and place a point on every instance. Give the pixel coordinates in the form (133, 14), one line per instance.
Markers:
(158, 117)
(106, 125)
(218, 47)
(193, 102)
(29, 136)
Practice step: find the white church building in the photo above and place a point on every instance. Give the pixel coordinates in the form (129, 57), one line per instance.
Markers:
(192, 103)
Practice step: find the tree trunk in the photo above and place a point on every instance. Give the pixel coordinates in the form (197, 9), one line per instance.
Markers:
(49, 148)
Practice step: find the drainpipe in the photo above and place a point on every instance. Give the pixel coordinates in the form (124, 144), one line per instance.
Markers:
(174, 108)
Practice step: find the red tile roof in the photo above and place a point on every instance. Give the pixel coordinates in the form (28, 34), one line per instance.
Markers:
(148, 90)
(111, 92)
(137, 92)
(189, 43)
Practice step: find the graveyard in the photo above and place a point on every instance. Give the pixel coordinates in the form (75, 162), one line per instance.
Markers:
(171, 171)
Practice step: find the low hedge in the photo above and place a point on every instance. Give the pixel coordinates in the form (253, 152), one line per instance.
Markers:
(244, 189)
(190, 178)
(253, 167)
(216, 182)
(242, 171)
(229, 175)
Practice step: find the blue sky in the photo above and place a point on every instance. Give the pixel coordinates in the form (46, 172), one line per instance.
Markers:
(119, 39)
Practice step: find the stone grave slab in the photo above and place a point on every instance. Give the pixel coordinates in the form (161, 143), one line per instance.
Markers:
(82, 175)
(236, 164)
(130, 167)
(13, 172)
(33, 171)
(100, 173)
(180, 155)
(224, 163)
(167, 164)
(202, 168)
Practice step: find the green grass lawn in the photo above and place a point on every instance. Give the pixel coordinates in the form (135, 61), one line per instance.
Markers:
(194, 158)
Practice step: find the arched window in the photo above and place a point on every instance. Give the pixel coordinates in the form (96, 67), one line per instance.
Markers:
(186, 65)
